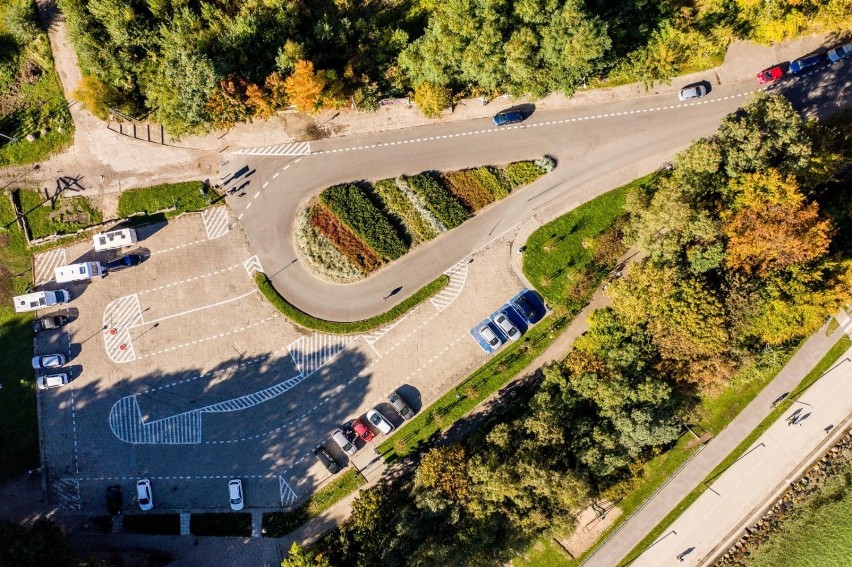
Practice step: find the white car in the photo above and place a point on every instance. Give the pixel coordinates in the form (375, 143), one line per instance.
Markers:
(51, 381)
(48, 361)
(235, 494)
(379, 421)
(506, 326)
(343, 442)
(694, 91)
(490, 336)
(143, 494)
(839, 53)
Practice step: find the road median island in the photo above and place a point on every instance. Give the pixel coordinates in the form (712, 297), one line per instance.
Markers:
(302, 319)
(824, 365)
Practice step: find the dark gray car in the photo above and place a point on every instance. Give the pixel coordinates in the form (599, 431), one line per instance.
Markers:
(400, 406)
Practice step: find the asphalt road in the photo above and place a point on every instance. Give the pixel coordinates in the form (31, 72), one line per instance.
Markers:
(589, 144)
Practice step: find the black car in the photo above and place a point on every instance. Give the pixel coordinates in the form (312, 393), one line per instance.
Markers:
(126, 261)
(329, 462)
(49, 322)
(113, 497)
(525, 308)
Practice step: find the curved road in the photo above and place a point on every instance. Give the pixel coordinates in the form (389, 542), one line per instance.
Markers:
(588, 142)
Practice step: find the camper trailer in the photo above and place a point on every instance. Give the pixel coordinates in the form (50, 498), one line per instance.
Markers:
(78, 272)
(40, 300)
(114, 239)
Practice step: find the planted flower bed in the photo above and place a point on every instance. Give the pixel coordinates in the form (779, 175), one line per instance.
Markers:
(353, 229)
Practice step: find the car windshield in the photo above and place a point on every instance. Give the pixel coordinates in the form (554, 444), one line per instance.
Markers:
(236, 500)
(143, 500)
(376, 419)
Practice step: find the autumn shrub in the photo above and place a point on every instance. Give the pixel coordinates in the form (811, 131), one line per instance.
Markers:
(432, 99)
(493, 180)
(440, 201)
(420, 205)
(468, 189)
(400, 206)
(344, 239)
(320, 253)
(355, 209)
(523, 173)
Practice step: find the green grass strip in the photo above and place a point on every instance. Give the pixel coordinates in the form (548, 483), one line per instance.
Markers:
(827, 362)
(482, 383)
(279, 524)
(175, 198)
(302, 319)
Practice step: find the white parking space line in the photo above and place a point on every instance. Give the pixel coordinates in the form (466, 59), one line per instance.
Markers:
(179, 246)
(176, 477)
(46, 263)
(192, 279)
(288, 495)
(74, 429)
(187, 312)
(215, 222)
(210, 338)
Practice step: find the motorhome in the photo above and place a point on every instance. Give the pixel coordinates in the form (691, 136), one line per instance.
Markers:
(114, 239)
(40, 300)
(78, 272)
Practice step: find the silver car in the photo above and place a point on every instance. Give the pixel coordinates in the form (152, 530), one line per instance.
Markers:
(490, 336)
(695, 91)
(48, 361)
(51, 381)
(143, 494)
(506, 326)
(343, 442)
(235, 494)
(379, 421)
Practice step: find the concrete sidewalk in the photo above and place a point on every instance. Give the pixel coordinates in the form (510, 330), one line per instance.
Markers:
(653, 512)
(751, 483)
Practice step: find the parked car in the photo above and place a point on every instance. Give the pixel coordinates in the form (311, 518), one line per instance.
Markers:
(235, 494)
(694, 91)
(49, 322)
(329, 462)
(490, 336)
(143, 494)
(379, 421)
(402, 408)
(505, 325)
(51, 381)
(126, 261)
(839, 53)
(803, 63)
(113, 498)
(525, 309)
(362, 430)
(508, 117)
(48, 361)
(769, 75)
(345, 444)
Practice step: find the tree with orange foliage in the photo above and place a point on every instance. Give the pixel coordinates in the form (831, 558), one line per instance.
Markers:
(771, 227)
(304, 86)
(257, 101)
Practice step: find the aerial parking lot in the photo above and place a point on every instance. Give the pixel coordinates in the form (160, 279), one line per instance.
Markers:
(180, 372)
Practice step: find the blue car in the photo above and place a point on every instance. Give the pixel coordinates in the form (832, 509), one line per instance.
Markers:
(508, 117)
(800, 65)
(126, 261)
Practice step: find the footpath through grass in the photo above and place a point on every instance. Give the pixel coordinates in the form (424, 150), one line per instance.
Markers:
(826, 363)
(302, 319)
(279, 524)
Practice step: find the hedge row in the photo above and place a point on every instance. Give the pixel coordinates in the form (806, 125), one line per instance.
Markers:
(355, 209)
(493, 180)
(467, 188)
(523, 173)
(439, 200)
(400, 206)
(344, 239)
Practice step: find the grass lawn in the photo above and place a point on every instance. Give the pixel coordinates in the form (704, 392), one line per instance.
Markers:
(18, 426)
(827, 362)
(819, 534)
(278, 524)
(31, 101)
(69, 214)
(302, 319)
(555, 251)
(175, 198)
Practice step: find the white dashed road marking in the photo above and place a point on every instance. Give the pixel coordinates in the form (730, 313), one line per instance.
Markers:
(188, 280)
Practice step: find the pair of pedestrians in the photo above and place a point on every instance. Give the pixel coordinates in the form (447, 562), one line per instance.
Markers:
(796, 418)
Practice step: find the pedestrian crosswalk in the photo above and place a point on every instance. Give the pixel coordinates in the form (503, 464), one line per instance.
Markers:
(294, 149)
(458, 277)
(216, 222)
(119, 315)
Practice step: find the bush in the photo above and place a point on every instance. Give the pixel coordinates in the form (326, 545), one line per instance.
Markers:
(420, 205)
(226, 524)
(99, 98)
(493, 180)
(399, 205)
(173, 197)
(432, 99)
(319, 252)
(354, 208)
(344, 239)
(467, 187)
(523, 173)
(155, 524)
(440, 201)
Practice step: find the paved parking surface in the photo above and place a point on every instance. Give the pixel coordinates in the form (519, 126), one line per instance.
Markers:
(182, 373)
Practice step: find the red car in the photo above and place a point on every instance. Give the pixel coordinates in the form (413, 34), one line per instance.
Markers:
(769, 75)
(362, 431)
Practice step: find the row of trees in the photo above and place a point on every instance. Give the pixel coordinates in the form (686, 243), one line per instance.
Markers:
(737, 257)
(225, 61)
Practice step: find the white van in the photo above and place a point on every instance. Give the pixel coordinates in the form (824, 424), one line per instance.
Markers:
(77, 272)
(40, 300)
(114, 239)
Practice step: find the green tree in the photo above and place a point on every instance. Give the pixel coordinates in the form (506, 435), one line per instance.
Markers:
(36, 546)
(432, 99)
(298, 556)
